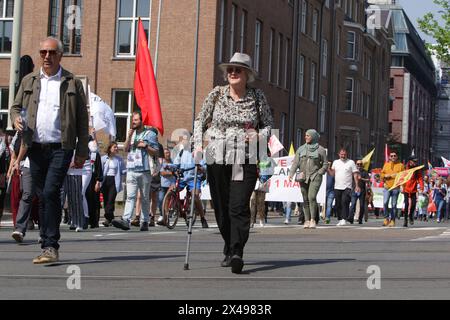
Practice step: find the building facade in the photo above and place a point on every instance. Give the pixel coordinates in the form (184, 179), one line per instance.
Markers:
(316, 61)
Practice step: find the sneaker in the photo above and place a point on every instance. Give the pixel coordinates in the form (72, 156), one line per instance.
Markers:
(204, 223)
(312, 224)
(391, 224)
(18, 236)
(48, 255)
(306, 225)
(342, 223)
(411, 221)
(327, 221)
(261, 223)
(160, 221)
(40, 240)
(226, 261)
(78, 229)
(121, 224)
(152, 222)
(107, 223)
(286, 221)
(144, 226)
(385, 222)
(236, 264)
(135, 222)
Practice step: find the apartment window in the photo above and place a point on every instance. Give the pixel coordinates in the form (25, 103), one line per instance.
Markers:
(327, 3)
(369, 68)
(299, 138)
(356, 11)
(243, 35)
(351, 45)
(338, 3)
(287, 63)
(315, 25)
(301, 76)
(279, 58)
(222, 30)
(391, 105)
(4, 96)
(283, 127)
(392, 83)
(271, 55)
(312, 88)
(258, 31)
(6, 26)
(349, 87)
(338, 41)
(304, 14)
(324, 57)
(323, 105)
(128, 14)
(390, 127)
(124, 105)
(368, 101)
(232, 29)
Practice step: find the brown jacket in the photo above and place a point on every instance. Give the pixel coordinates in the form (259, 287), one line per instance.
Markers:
(73, 111)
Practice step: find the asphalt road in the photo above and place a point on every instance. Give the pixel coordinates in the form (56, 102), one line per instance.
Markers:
(281, 263)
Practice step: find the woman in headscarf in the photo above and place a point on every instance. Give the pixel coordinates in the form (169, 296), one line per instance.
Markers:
(311, 160)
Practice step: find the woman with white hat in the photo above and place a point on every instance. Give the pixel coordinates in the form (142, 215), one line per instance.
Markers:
(232, 117)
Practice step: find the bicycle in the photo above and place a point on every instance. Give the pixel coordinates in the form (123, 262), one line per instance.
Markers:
(173, 206)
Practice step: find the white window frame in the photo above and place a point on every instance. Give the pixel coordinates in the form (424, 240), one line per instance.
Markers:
(324, 57)
(258, 30)
(134, 21)
(312, 84)
(232, 28)
(315, 24)
(349, 92)
(323, 106)
(130, 107)
(349, 42)
(304, 13)
(221, 30)
(3, 18)
(4, 111)
(301, 76)
(279, 57)
(243, 30)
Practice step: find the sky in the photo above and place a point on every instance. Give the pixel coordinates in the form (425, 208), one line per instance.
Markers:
(416, 9)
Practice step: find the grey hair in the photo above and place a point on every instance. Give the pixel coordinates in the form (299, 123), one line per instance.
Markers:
(59, 43)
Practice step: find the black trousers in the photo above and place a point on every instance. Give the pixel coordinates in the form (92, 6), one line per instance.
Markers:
(409, 212)
(109, 196)
(231, 200)
(342, 201)
(93, 200)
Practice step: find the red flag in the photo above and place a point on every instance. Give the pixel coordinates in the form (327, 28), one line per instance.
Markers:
(145, 88)
(386, 153)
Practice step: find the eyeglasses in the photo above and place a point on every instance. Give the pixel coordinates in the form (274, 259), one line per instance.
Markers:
(44, 53)
(236, 70)
(359, 164)
(393, 156)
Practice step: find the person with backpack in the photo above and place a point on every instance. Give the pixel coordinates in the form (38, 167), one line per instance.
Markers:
(233, 117)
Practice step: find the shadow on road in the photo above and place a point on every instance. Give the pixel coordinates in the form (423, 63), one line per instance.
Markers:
(272, 265)
(111, 259)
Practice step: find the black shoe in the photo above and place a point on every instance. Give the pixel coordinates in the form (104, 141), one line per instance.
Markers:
(144, 226)
(30, 225)
(226, 261)
(204, 223)
(121, 224)
(94, 226)
(236, 264)
(66, 216)
(350, 220)
(72, 228)
(135, 222)
(151, 223)
(107, 223)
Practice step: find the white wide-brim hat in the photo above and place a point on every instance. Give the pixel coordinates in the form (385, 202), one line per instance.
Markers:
(240, 60)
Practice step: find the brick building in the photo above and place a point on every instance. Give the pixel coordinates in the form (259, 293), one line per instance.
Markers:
(316, 61)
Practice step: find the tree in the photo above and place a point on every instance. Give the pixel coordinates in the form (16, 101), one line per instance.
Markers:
(439, 29)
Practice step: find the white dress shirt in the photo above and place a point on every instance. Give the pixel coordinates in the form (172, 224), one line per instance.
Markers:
(48, 123)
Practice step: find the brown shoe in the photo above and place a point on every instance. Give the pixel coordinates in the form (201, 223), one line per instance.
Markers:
(391, 224)
(385, 222)
(48, 255)
(135, 222)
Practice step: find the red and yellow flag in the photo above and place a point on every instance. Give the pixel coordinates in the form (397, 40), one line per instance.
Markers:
(404, 176)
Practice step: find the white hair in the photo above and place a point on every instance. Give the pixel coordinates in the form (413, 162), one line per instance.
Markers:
(59, 43)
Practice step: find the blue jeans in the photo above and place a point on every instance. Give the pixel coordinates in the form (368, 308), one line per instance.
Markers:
(362, 205)
(329, 201)
(393, 195)
(440, 208)
(135, 181)
(161, 195)
(48, 168)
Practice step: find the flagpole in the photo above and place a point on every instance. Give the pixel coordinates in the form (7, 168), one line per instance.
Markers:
(157, 38)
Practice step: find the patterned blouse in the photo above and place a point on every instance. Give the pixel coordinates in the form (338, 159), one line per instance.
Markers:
(222, 120)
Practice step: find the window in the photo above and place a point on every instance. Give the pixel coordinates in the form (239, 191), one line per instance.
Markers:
(351, 45)
(304, 12)
(312, 88)
(123, 106)
(280, 57)
(324, 57)
(282, 127)
(243, 36)
(4, 112)
(369, 68)
(299, 138)
(322, 112)
(128, 13)
(6, 26)
(356, 11)
(222, 30)
(391, 105)
(258, 31)
(232, 29)
(349, 87)
(327, 3)
(287, 64)
(390, 127)
(301, 76)
(315, 25)
(271, 55)
(392, 83)
(338, 41)
(368, 106)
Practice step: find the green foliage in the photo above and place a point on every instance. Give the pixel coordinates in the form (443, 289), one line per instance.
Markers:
(439, 29)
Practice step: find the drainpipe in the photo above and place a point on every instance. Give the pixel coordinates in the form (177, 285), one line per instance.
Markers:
(194, 87)
(97, 53)
(319, 86)
(331, 83)
(294, 68)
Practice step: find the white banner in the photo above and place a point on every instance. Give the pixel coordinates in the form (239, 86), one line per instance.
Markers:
(378, 199)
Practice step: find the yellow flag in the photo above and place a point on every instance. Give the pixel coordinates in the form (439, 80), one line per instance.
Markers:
(292, 150)
(404, 176)
(366, 160)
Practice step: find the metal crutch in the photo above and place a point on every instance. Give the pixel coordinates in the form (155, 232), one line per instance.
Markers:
(190, 218)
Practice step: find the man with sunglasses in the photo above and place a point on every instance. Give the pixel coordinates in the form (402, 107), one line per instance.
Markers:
(388, 174)
(56, 124)
(363, 179)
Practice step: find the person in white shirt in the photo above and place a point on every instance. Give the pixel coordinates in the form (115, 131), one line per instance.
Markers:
(345, 172)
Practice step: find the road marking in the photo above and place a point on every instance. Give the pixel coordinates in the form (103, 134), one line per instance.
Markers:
(445, 236)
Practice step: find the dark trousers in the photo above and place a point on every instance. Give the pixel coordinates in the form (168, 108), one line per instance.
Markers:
(342, 202)
(109, 196)
(410, 210)
(49, 168)
(93, 201)
(231, 200)
(15, 196)
(362, 205)
(26, 201)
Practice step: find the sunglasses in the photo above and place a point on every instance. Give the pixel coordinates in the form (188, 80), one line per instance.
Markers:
(236, 70)
(359, 164)
(44, 53)
(393, 156)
